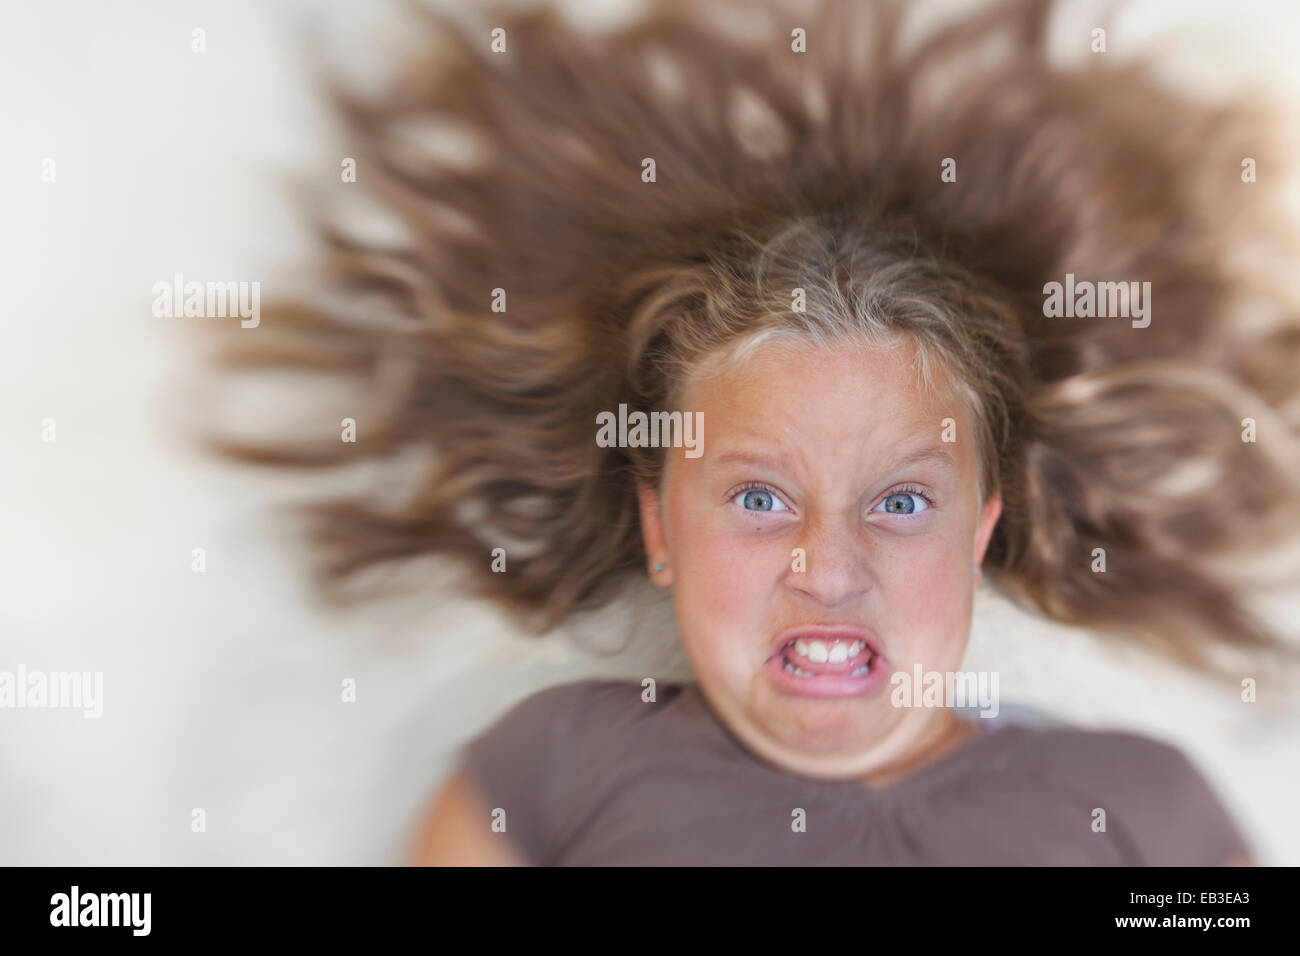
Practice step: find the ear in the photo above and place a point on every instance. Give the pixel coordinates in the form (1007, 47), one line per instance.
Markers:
(988, 520)
(653, 535)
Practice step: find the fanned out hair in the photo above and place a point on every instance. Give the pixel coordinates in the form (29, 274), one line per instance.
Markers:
(525, 171)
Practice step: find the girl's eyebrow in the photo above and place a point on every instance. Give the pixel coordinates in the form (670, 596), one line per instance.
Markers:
(749, 458)
(935, 454)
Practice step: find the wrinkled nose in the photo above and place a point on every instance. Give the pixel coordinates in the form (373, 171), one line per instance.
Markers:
(836, 565)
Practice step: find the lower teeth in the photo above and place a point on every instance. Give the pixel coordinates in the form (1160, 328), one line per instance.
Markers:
(790, 668)
(796, 671)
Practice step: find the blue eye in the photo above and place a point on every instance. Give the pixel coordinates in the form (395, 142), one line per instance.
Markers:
(757, 499)
(904, 503)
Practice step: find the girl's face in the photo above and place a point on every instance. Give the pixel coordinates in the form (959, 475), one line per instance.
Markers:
(826, 510)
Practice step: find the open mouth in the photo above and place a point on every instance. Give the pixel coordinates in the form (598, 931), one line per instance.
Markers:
(812, 658)
(826, 662)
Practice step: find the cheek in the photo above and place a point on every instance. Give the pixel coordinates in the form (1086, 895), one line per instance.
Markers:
(727, 576)
(724, 583)
(929, 590)
(929, 564)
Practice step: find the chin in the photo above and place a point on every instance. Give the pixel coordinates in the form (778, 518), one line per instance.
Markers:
(822, 729)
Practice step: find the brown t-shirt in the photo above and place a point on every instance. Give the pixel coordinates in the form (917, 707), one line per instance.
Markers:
(589, 774)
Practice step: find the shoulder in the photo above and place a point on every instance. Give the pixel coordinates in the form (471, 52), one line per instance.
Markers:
(532, 760)
(1156, 804)
(573, 703)
(539, 734)
(1082, 750)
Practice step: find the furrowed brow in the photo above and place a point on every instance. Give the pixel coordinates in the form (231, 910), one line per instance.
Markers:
(935, 456)
(749, 458)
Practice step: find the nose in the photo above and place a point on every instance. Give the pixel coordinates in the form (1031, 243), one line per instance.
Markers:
(837, 566)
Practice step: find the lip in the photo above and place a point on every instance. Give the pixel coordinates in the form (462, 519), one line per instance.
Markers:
(827, 632)
(829, 680)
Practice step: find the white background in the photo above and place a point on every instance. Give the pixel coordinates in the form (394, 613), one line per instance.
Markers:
(222, 689)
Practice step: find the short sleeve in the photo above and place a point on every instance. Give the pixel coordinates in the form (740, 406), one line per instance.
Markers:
(1175, 817)
(516, 766)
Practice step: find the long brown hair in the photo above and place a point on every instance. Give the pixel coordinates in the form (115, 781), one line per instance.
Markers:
(776, 168)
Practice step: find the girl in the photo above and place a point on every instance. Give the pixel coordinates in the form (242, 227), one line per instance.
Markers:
(839, 247)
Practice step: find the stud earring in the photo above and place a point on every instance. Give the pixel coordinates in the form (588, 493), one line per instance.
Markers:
(975, 571)
(659, 566)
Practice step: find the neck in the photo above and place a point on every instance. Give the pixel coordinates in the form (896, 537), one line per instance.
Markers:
(944, 734)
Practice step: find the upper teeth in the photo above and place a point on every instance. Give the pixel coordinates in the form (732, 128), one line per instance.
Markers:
(819, 653)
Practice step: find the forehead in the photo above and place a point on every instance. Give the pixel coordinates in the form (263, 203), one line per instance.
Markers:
(833, 418)
(845, 394)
